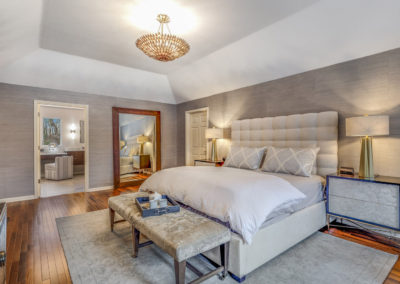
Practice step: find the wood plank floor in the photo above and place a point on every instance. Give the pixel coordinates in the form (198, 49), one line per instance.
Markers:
(35, 254)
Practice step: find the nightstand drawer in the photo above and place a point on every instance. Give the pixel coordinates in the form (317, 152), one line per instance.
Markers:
(384, 194)
(366, 211)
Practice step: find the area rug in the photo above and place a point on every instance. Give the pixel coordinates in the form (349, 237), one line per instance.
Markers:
(96, 255)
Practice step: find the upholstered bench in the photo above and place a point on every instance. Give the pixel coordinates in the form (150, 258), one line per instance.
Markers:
(182, 235)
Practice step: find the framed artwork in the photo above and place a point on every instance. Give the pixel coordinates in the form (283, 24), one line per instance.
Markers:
(51, 131)
(81, 131)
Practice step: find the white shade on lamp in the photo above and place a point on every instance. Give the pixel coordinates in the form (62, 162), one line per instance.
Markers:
(142, 139)
(376, 125)
(214, 133)
(366, 127)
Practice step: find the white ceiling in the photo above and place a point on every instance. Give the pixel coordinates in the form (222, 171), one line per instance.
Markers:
(89, 45)
(103, 29)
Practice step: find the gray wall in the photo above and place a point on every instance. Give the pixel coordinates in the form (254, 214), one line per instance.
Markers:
(369, 85)
(16, 135)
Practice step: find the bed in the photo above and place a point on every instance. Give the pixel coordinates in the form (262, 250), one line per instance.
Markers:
(280, 231)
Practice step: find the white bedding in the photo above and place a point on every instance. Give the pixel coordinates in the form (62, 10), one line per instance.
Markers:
(243, 198)
(312, 187)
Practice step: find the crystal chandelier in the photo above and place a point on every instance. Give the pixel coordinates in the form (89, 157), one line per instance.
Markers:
(161, 46)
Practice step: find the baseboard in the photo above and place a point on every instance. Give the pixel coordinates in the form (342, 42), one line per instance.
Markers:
(100, 188)
(18, 198)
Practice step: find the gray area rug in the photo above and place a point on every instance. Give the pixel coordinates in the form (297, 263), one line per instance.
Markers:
(95, 255)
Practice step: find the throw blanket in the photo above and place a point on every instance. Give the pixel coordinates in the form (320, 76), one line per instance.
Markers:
(243, 198)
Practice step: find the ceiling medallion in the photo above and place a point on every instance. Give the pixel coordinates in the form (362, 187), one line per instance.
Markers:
(161, 46)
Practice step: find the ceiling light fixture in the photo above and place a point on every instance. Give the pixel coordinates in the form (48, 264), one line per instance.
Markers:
(162, 46)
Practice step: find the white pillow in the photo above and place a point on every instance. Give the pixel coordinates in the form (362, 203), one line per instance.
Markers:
(295, 161)
(244, 157)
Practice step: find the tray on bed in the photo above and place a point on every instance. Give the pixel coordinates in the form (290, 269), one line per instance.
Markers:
(144, 207)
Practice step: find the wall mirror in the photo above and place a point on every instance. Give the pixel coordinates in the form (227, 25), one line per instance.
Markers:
(136, 145)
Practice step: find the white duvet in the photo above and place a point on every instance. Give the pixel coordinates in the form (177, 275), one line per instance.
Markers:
(243, 198)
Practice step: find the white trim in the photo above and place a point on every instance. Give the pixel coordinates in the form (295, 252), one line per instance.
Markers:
(100, 188)
(187, 132)
(18, 198)
(36, 149)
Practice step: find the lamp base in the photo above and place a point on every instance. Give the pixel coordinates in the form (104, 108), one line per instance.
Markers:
(214, 155)
(366, 159)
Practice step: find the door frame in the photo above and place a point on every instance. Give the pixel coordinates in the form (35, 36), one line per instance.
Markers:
(36, 144)
(187, 132)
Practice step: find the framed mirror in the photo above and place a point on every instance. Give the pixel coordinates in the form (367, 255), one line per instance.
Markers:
(136, 145)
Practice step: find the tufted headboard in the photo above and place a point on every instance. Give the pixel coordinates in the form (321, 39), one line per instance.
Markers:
(298, 130)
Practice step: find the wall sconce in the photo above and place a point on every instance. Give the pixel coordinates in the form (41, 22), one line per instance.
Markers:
(72, 131)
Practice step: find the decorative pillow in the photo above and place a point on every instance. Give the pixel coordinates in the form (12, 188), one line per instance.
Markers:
(244, 157)
(295, 161)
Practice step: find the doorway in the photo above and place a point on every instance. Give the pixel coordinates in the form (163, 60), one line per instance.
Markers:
(61, 148)
(196, 123)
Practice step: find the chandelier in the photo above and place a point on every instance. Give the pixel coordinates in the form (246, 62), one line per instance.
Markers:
(161, 46)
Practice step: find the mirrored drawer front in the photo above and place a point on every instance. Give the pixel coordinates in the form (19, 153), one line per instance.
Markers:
(371, 212)
(381, 193)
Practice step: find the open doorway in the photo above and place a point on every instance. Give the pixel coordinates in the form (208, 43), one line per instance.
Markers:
(61, 148)
(196, 123)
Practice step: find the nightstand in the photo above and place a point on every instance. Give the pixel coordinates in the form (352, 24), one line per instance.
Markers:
(370, 201)
(208, 163)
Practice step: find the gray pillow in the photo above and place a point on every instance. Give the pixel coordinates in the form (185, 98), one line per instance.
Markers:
(295, 161)
(244, 157)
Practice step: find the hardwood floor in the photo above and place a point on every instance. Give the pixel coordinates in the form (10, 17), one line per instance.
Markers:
(34, 251)
(35, 254)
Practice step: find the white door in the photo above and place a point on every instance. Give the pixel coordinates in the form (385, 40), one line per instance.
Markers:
(198, 142)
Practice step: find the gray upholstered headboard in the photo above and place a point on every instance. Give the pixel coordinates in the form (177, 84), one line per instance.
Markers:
(299, 130)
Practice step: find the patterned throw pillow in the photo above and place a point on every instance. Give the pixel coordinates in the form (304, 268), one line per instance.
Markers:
(245, 157)
(295, 161)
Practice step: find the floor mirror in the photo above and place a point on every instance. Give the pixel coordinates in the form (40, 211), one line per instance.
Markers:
(136, 145)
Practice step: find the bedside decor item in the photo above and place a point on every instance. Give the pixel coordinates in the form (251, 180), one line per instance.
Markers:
(366, 127)
(155, 196)
(202, 162)
(214, 134)
(346, 171)
(161, 46)
(153, 203)
(162, 203)
(374, 202)
(141, 140)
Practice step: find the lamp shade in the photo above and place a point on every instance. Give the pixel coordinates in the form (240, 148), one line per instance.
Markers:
(376, 125)
(142, 139)
(212, 133)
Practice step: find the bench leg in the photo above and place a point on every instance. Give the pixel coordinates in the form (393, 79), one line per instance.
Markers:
(180, 268)
(224, 251)
(135, 241)
(112, 215)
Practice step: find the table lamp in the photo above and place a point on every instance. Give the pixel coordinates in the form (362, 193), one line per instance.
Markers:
(214, 134)
(141, 140)
(366, 127)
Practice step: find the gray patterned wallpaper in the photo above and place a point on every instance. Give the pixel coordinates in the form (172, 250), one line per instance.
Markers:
(369, 85)
(16, 135)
